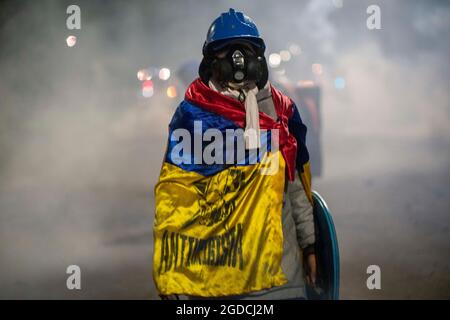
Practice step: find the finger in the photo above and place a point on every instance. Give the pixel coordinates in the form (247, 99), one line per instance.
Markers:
(308, 282)
(312, 270)
(313, 277)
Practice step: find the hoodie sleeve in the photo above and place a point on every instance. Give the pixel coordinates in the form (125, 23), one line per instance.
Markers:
(299, 191)
(302, 213)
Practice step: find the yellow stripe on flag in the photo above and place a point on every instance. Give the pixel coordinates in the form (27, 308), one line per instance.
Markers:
(219, 235)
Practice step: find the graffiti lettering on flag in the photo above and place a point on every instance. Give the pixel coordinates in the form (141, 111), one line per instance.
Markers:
(180, 251)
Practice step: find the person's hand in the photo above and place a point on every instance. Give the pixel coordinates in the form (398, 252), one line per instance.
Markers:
(311, 269)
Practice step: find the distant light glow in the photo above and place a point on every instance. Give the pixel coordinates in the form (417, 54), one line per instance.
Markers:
(339, 83)
(144, 74)
(140, 75)
(285, 55)
(71, 41)
(274, 60)
(172, 92)
(147, 88)
(164, 74)
(295, 49)
(306, 83)
(317, 69)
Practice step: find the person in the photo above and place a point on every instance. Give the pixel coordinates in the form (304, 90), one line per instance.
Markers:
(226, 230)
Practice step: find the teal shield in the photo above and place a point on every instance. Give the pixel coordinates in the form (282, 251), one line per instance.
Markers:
(327, 254)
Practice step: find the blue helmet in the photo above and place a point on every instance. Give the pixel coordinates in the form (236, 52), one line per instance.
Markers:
(230, 26)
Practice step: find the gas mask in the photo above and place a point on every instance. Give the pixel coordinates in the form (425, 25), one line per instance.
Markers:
(240, 64)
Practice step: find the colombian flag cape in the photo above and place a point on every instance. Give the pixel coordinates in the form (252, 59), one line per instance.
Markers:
(217, 229)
